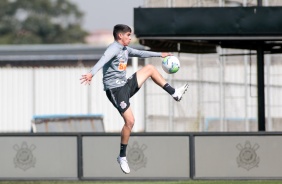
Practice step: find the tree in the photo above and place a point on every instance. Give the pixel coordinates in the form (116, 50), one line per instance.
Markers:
(40, 22)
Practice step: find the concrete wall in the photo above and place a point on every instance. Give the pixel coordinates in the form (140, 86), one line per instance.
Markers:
(238, 156)
(148, 157)
(38, 157)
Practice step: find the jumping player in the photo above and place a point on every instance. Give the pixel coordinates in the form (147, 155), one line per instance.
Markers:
(119, 89)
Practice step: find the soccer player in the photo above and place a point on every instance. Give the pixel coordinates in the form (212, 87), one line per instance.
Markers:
(119, 89)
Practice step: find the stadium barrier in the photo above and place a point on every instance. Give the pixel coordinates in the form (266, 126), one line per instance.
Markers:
(151, 156)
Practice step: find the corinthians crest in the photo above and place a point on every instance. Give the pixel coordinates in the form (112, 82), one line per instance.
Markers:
(135, 156)
(248, 157)
(24, 158)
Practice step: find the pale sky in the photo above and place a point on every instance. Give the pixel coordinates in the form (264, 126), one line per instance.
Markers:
(104, 14)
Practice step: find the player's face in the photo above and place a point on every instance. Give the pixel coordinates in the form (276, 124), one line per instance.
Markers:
(125, 38)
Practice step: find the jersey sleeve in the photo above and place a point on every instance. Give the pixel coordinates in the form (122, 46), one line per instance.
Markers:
(141, 53)
(107, 56)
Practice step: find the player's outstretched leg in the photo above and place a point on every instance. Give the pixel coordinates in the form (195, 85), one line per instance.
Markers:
(150, 71)
(179, 92)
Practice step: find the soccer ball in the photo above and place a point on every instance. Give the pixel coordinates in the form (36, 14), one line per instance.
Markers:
(170, 64)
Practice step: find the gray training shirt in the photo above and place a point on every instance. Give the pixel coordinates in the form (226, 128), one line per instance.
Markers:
(114, 62)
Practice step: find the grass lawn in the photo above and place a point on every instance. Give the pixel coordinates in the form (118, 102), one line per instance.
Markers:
(145, 182)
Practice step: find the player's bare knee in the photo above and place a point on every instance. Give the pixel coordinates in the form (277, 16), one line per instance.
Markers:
(130, 123)
(150, 67)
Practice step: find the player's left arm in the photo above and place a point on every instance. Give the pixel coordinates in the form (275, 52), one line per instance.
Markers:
(145, 54)
(165, 54)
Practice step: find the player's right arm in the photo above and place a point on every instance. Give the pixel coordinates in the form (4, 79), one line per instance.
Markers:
(107, 56)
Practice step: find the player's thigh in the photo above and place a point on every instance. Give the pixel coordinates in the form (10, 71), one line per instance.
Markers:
(128, 116)
(133, 85)
(119, 98)
(142, 75)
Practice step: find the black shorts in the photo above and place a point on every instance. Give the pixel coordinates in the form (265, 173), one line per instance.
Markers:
(120, 96)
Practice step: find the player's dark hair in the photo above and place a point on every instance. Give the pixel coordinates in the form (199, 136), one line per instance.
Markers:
(120, 28)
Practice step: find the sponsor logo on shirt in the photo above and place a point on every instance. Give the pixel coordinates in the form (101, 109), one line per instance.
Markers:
(122, 65)
(120, 81)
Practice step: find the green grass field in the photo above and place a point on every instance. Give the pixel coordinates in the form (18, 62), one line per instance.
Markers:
(145, 182)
